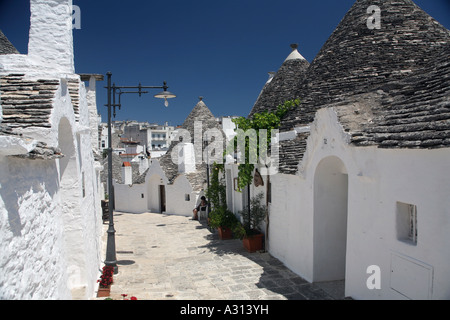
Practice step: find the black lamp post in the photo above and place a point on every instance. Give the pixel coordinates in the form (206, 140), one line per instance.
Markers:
(111, 259)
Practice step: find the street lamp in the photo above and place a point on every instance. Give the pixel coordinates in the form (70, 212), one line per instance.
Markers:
(165, 95)
(111, 259)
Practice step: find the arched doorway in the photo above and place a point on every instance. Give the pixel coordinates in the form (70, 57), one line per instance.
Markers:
(156, 199)
(330, 220)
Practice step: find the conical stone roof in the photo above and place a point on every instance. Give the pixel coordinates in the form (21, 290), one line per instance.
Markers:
(356, 58)
(284, 85)
(6, 47)
(389, 85)
(200, 114)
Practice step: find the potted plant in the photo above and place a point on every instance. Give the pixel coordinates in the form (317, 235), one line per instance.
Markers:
(220, 217)
(224, 221)
(105, 281)
(252, 237)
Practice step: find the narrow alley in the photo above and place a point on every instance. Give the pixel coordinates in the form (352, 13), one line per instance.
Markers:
(168, 257)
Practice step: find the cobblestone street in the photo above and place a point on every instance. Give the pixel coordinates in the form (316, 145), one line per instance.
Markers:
(163, 257)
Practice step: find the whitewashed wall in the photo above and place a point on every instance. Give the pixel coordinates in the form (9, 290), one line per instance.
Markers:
(50, 227)
(60, 201)
(176, 197)
(32, 262)
(132, 199)
(90, 199)
(377, 179)
(50, 45)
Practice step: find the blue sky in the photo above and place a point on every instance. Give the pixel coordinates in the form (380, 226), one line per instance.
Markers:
(221, 50)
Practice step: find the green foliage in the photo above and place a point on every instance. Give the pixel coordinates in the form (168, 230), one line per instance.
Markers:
(263, 120)
(217, 192)
(222, 217)
(253, 218)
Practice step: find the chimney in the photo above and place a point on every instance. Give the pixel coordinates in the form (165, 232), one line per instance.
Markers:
(127, 173)
(51, 41)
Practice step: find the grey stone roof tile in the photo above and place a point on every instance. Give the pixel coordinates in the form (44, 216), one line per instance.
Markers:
(6, 47)
(283, 86)
(197, 179)
(402, 65)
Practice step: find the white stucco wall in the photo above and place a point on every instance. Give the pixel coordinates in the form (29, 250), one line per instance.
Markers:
(377, 180)
(60, 201)
(90, 199)
(50, 230)
(180, 198)
(131, 198)
(32, 260)
(50, 45)
(176, 197)
(154, 178)
(91, 97)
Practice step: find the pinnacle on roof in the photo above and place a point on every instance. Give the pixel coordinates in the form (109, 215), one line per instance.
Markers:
(200, 113)
(356, 58)
(294, 54)
(399, 72)
(284, 84)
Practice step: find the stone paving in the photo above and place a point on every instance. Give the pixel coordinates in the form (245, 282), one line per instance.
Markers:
(166, 257)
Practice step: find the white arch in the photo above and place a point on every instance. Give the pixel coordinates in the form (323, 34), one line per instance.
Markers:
(330, 219)
(153, 193)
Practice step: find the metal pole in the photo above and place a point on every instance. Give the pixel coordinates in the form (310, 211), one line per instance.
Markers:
(111, 259)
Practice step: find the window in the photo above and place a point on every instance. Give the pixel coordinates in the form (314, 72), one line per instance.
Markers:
(407, 222)
(187, 197)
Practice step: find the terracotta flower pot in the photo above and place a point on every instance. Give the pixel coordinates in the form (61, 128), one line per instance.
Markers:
(224, 233)
(103, 292)
(253, 243)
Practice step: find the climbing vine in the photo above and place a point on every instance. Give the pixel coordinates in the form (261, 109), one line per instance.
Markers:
(216, 191)
(263, 120)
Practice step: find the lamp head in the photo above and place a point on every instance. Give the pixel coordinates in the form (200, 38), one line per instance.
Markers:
(165, 95)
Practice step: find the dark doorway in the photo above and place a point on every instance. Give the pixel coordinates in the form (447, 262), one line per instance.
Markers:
(162, 197)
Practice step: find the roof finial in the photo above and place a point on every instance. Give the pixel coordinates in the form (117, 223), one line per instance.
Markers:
(200, 98)
(294, 54)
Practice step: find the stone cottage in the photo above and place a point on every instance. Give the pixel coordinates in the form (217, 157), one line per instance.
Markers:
(50, 226)
(364, 168)
(175, 182)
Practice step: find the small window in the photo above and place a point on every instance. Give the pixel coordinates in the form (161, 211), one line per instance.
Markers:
(142, 195)
(407, 222)
(187, 197)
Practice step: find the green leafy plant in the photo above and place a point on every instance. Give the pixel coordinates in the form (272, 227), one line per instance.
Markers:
(222, 217)
(264, 120)
(252, 218)
(217, 192)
